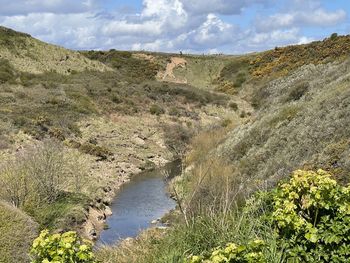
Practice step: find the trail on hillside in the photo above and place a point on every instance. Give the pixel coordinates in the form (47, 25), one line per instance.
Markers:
(168, 74)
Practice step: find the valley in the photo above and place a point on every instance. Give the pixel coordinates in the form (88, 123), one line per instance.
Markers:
(76, 126)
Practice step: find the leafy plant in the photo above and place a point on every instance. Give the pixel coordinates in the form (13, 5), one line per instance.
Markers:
(312, 215)
(66, 247)
(233, 253)
(156, 110)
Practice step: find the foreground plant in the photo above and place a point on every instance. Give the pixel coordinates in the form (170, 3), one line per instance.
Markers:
(252, 252)
(312, 215)
(57, 248)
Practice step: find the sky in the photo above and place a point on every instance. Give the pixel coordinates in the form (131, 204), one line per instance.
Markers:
(190, 26)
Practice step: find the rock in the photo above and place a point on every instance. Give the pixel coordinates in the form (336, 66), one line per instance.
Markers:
(156, 221)
(93, 233)
(108, 211)
(138, 141)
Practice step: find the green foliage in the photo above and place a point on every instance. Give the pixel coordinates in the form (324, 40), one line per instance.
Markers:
(133, 69)
(297, 91)
(312, 215)
(233, 105)
(233, 253)
(95, 150)
(156, 110)
(226, 122)
(334, 36)
(173, 111)
(10, 38)
(6, 71)
(67, 212)
(66, 247)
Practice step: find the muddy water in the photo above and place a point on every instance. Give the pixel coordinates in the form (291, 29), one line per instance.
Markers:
(139, 202)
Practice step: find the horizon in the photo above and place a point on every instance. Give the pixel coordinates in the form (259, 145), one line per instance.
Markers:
(193, 27)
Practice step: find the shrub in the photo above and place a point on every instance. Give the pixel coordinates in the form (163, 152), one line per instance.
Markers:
(312, 215)
(66, 247)
(116, 99)
(252, 252)
(259, 97)
(177, 138)
(95, 150)
(243, 114)
(156, 110)
(173, 111)
(240, 79)
(233, 105)
(334, 36)
(6, 71)
(226, 122)
(297, 92)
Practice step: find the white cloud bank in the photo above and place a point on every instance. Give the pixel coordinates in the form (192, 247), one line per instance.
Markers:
(164, 25)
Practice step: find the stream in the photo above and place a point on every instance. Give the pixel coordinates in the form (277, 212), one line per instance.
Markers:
(138, 203)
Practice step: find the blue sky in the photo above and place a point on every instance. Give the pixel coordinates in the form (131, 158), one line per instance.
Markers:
(193, 26)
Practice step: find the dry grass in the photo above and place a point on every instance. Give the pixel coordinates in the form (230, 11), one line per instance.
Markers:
(132, 250)
(17, 233)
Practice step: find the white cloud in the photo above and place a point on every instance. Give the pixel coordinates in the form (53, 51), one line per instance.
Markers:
(318, 17)
(164, 25)
(225, 7)
(23, 7)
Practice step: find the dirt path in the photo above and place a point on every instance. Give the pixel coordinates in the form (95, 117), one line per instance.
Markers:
(168, 75)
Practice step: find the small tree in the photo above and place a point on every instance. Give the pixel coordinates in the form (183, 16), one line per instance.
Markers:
(334, 36)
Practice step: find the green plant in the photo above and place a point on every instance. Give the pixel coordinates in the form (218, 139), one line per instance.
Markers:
(66, 247)
(226, 122)
(312, 215)
(6, 71)
(96, 150)
(233, 105)
(334, 36)
(233, 253)
(156, 110)
(297, 91)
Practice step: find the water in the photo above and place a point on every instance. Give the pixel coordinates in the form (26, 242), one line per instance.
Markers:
(137, 203)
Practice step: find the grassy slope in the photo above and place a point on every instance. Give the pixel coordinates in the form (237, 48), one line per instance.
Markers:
(33, 56)
(17, 232)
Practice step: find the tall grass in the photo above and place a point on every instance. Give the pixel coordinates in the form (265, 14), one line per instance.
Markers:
(200, 237)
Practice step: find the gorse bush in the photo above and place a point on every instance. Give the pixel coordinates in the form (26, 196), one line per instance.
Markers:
(66, 247)
(312, 215)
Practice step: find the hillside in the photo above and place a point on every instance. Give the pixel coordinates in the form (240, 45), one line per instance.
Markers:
(33, 56)
(300, 120)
